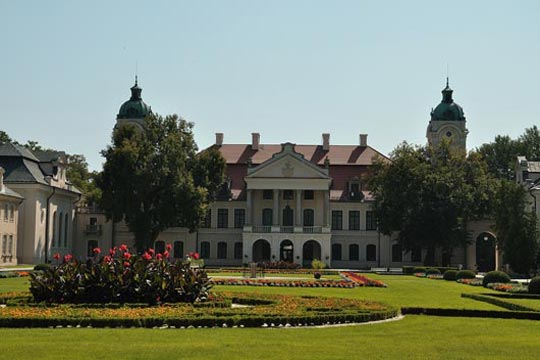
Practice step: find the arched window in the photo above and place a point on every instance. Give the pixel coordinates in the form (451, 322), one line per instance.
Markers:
(288, 216)
(397, 254)
(178, 249)
(222, 250)
(336, 251)
(354, 252)
(238, 250)
(60, 232)
(10, 245)
(65, 230)
(309, 217)
(416, 254)
(159, 246)
(205, 250)
(371, 252)
(6, 210)
(92, 244)
(12, 214)
(54, 241)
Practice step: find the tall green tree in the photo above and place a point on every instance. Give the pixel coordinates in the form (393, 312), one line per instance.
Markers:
(516, 227)
(529, 143)
(426, 196)
(5, 138)
(500, 156)
(152, 178)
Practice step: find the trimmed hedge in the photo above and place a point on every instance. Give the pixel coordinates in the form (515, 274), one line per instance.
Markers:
(433, 271)
(465, 274)
(495, 277)
(411, 270)
(497, 302)
(450, 275)
(500, 314)
(534, 285)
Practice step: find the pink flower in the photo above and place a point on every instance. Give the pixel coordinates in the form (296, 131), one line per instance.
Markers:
(123, 247)
(169, 247)
(146, 256)
(97, 251)
(68, 257)
(159, 256)
(56, 256)
(112, 251)
(166, 254)
(126, 264)
(151, 251)
(195, 255)
(107, 259)
(127, 256)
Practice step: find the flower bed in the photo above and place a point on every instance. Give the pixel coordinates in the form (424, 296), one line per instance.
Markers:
(473, 282)
(508, 287)
(262, 310)
(286, 283)
(361, 280)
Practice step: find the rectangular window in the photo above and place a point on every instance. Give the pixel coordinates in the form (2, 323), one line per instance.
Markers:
(268, 194)
(4, 245)
(222, 250)
(238, 250)
(308, 195)
(371, 224)
(354, 220)
(288, 194)
(397, 254)
(207, 222)
(337, 220)
(10, 245)
(223, 218)
(239, 218)
(267, 215)
(6, 212)
(205, 250)
(354, 252)
(178, 250)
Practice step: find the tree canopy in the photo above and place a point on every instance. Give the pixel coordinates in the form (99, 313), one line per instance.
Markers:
(154, 179)
(426, 196)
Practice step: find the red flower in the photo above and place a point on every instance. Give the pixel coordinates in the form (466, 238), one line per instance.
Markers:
(68, 257)
(107, 259)
(112, 251)
(56, 256)
(195, 255)
(146, 256)
(166, 254)
(126, 264)
(151, 251)
(159, 256)
(123, 247)
(97, 251)
(169, 247)
(127, 256)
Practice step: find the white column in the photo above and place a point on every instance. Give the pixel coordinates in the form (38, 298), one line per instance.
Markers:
(249, 207)
(275, 212)
(326, 208)
(298, 217)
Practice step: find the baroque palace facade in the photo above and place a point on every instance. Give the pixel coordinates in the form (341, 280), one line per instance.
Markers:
(282, 202)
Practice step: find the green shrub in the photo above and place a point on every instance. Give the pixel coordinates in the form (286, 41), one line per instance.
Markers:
(419, 269)
(317, 264)
(317, 275)
(495, 277)
(42, 267)
(465, 274)
(534, 285)
(433, 271)
(450, 275)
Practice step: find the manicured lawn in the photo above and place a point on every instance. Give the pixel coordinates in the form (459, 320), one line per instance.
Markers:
(415, 337)
(531, 303)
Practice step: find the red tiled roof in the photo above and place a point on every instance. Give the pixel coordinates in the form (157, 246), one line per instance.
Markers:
(338, 154)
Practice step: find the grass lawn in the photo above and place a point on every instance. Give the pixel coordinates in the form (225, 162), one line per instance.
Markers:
(415, 337)
(270, 275)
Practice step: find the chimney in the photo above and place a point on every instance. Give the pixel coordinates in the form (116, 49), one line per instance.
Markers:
(255, 141)
(219, 139)
(363, 139)
(326, 142)
(2, 171)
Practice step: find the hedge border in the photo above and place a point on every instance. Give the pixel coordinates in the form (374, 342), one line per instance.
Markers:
(516, 296)
(500, 303)
(497, 314)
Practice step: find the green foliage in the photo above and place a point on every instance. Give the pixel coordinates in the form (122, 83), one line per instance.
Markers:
(317, 264)
(515, 226)
(42, 267)
(433, 271)
(5, 138)
(419, 269)
(427, 196)
(534, 285)
(121, 279)
(465, 274)
(450, 275)
(153, 179)
(84, 180)
(495, 277)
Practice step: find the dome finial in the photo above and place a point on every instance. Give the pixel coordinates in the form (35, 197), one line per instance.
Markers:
(447, 82)
(136, 80)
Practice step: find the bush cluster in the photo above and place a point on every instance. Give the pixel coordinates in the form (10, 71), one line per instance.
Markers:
(495, 277)
(120, 277)
(433, 271)
(465, 274)
(450, 275)
(534, 285)
(410, 270)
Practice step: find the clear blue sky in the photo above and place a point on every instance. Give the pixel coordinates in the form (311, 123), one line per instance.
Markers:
(290, 70)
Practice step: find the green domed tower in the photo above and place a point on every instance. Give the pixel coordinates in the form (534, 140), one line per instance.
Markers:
(134, 110)
(448, 122)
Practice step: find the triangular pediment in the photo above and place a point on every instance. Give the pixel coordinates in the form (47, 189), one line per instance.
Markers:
(288, 164)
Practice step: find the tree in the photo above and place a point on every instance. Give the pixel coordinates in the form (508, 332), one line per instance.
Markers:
(82, 179)
(516, 227)
(153, 179)
(427, 196)
(529, 143)
(500, 156)
(4, 138)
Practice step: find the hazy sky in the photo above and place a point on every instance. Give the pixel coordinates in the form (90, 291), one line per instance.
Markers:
(290, 70)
